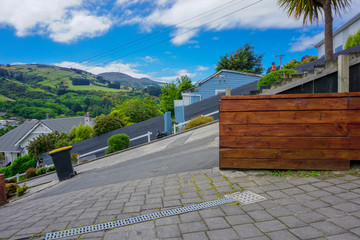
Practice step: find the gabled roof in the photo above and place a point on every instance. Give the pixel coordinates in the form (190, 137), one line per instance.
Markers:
(345, 25)
(230, 71)
(8, 141)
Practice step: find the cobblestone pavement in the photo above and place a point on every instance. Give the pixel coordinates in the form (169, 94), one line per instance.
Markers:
(297, 208)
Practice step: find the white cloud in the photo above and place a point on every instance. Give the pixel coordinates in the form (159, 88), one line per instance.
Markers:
(61, 20)
(177, 74)
(149, 59)
(202, 68)
(127, 68)
(305, 42)
(215, 38)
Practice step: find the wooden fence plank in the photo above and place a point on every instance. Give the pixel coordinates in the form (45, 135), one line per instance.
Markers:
(287, 130)
(290, 142)
(284, 104)
(354, 103)
(354, 129)
(292, 96)
(294, 164)
(283, 117)
(326, 154)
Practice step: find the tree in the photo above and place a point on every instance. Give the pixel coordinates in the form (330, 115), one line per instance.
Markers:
(106, 123)
(118, 142)
(353, 40)
(172, 91)
(244, 60)
(311, 11)
(137, 110)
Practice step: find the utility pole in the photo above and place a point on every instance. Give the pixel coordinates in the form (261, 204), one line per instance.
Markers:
(280, 56)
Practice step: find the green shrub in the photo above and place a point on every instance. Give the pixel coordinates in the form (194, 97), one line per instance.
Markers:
(353, 40)
(2, 170)
(274, 77)
(11, 189)
(74, 157)
(40, 171)
(20, 165)
(51, 168)
(199, 120)
(118, 142)
(21, 190)
(31, 172)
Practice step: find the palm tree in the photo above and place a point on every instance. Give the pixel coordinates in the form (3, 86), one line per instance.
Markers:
(311, 10)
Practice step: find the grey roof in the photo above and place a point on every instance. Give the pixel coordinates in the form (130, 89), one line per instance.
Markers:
(63, 124)
(211, 104)
(345, 25)
(321, 61)
(8, 141)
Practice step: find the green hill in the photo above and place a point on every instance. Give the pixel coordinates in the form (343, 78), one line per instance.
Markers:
(127, 80)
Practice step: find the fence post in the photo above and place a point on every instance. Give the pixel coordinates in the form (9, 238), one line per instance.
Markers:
(174, 128)
(17, 177)
(149, 133)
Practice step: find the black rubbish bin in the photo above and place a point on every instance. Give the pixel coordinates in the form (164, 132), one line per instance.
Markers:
(62, 162)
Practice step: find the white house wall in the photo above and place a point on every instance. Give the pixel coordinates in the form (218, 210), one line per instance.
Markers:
(41, 129)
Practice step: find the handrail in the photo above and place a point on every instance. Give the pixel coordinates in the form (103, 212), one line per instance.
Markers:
(104, 148)
(184, 123)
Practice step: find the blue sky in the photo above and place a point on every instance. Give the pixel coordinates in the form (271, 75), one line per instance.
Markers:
(157, 39)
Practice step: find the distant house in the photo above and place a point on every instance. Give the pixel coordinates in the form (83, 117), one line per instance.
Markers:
(211, 86)
(340, 36)
(13, 144)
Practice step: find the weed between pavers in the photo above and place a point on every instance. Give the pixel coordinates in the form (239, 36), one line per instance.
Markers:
(320, 174)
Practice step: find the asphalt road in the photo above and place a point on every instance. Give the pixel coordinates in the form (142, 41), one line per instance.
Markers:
(186, 152)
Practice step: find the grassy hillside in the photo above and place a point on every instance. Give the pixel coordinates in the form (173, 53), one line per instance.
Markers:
(127, 80)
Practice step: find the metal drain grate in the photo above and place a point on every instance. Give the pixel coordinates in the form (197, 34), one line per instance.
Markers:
(244, 198)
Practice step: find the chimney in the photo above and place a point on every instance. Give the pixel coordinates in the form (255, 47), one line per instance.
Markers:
(88, 119)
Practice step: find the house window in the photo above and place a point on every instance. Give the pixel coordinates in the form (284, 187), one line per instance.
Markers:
(219, 91)
(339, 48)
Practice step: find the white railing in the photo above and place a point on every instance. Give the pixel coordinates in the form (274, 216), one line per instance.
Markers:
(184, 123)
(17, 176)
(148, 134)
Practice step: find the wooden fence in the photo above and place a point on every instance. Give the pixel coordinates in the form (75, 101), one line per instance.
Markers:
(294, 131)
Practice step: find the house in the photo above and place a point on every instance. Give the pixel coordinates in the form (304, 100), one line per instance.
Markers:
(340, 36)
(13, 144)
(212, 86)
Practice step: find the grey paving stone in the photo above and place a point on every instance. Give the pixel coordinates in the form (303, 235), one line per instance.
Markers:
(132, 209)
(223, 234)
(247, 231)
(190, 217)
(282, 235)
(311, 217)
(328, 228)
(192, 227)
(344, 236)
(191, 200)
(308, 188)
(239, 219)
(330, 212)
(348, 186)
(134, 203)
(252, 207)
(231, 210)
(319, 193)
(348, 207)
(197, 236)
(333, 200)
(93, 235)
(171, 203)
(297, 208)
(168, 231)
(130, 235)
(260, 215)
(334, 189)
(30, 230)
(316, 204)
(292, 221)
(9, 233)
(356, 231)
(303, 197)
(346, 222)
(216, 223)
(167, 220)
(322, 184)
(279, 212)
(292, 191)
(306, 232)
(270, 226)
(212, 212)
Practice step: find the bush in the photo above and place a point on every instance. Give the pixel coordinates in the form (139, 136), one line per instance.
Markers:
(11, 189)
(20, 165)
(40, 171)
(11, 180)
(274, 77)
(2, 170)
(51, 168)
(74, 157)
(118, 142)
(31, 172)
(21, 190)
(353, 40)
(106, 124)
(199, 120)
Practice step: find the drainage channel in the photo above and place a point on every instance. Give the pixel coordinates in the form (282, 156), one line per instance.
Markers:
(245, 197)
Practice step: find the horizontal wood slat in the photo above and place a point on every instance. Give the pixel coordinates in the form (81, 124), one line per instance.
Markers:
(287, 130)
(294, 131)
(293, 164)
(300, 154)
(297, 104)
(290, 117)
